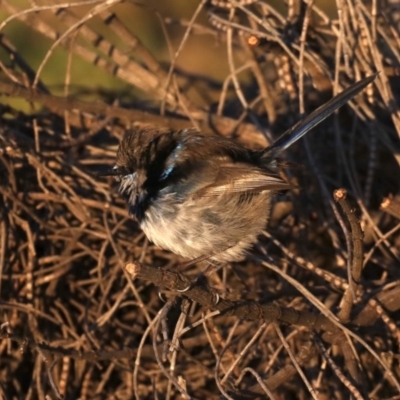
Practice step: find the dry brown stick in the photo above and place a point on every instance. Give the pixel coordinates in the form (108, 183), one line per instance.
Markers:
(58, 351)
(245, 309)
(355, 252)
(126, 64)
(267, 99)
(357, 235)
(391, 205)
(287, 372)
(209, 123)
(296, 364)
(352, 389)
(335, 281)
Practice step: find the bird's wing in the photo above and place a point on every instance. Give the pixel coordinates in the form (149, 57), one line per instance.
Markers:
(239, 178)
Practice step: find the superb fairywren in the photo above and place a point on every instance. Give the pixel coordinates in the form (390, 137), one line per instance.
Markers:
(197, 194)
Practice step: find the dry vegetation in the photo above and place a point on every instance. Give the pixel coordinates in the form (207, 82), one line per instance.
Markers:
(73, 322)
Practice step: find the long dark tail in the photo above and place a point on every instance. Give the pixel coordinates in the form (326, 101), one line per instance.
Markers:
(302, 127)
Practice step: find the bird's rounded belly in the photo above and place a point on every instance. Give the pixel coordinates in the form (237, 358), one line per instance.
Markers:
(182, 230)
(194, 229)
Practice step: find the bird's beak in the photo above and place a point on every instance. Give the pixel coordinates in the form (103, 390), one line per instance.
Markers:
(114, 171)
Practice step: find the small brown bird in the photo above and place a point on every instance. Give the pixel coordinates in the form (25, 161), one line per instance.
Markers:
(198, 195)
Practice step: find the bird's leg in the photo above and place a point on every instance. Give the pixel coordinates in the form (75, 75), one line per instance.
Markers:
(186, 265)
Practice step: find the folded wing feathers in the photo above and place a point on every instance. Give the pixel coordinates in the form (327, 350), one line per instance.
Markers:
(242, 178)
